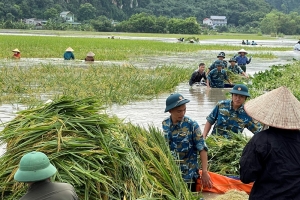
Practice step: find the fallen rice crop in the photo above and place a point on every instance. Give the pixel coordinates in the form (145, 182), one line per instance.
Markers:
(99, 155)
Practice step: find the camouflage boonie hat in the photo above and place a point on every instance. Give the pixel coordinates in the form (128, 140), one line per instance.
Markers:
(240, 89)
(175, 100)
(221, 54)
(232, 60)
(219, 63)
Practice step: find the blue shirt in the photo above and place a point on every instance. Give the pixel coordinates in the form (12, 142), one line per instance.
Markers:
(68, 55)
(185, 141)
(242, 60)
(227, 119)
(235, 69)
(216, 78)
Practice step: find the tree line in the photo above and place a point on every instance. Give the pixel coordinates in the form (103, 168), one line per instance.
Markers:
(156, 16)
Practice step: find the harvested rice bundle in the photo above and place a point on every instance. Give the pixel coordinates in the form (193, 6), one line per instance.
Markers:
(233, 195)
(101, 157)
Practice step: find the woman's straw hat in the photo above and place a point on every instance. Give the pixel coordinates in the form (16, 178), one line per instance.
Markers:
(90, 54)
(242, 51)
(16, 50)
(69, 49)
(278, 108)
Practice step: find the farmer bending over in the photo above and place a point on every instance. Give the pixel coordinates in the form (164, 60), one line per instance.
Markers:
(184, 138)
(229, 115)
(68, 55)
(35, 169)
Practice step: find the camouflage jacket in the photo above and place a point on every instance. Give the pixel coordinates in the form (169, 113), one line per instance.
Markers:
(216, 78)
(235, 69)
(227, 119)
(185, 141)
(213, 65)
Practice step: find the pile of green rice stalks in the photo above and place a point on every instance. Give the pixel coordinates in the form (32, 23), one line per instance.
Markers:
(99, 155)
(237, 78)
(224, 154)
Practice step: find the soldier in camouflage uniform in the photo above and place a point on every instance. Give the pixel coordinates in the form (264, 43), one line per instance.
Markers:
(185, 140)
(220, 57)
(216, 77)
(235, 68)
(229, 115)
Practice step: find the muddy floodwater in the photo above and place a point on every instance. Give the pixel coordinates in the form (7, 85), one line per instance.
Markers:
(145, 113)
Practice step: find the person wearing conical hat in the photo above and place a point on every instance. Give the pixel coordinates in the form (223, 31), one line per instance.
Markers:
(233, 67)
(184, 137)
(271, 159)
(230, 116)
(68, 55)
(90, 56)
(216, 77)
(36, 170)
(221, 57)
(17, 54)
(242, 59)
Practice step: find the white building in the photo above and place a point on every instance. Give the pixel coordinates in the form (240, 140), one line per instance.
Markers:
(208, 21)
(219, 20)
(67, 16)
(215, 21)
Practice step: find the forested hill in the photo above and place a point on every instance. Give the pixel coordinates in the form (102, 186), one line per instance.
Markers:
(238, 12)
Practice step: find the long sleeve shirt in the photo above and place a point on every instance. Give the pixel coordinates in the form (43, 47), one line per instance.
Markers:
(186, 140)
(242, 60)
(216, 78)
(68, 55)
(271, 160)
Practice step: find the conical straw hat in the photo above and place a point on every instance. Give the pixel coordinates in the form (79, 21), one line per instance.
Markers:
(242, 51)
(69, 49)
(91, 54)
(16, 50)
(277, 108)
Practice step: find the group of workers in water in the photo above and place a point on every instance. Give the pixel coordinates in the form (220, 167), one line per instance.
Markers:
(68, 55)
(248, 43)
(216, 74)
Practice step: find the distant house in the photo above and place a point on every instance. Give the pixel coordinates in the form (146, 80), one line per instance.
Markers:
(67, 16)
(208, 21)
(215, 21)
(38, 23)
(219, 20)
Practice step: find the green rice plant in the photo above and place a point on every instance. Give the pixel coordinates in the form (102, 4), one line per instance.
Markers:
(265, 55)
(224, 154)
(279, 75)
(101, 157)
(110, 84)
(240, 36)
(105, 49)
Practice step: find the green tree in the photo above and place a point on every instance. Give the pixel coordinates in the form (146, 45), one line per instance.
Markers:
(51, 13)
(86, 12)
(102, 24)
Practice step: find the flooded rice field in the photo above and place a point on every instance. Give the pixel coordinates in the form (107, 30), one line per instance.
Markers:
(151, 112)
